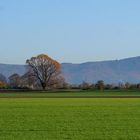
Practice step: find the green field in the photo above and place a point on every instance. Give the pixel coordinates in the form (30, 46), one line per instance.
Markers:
(72, 94)
(69, 118)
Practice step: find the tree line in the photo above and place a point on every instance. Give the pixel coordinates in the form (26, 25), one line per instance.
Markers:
(44, 73)
(26, 81)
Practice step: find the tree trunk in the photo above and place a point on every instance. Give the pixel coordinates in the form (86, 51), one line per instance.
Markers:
(43, 86)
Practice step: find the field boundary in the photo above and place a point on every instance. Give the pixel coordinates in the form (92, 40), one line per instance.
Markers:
(70, 97)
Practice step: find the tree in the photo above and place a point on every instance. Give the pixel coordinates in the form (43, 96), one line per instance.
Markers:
(14, 80)
(28, 81)
(100, 84)
(127, 85)
(2, 85)
(44, 69)
(3, 78)
(56, 82)
(85, 85)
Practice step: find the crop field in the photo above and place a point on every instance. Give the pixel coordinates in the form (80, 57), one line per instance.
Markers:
(69, 118)
(72, 94)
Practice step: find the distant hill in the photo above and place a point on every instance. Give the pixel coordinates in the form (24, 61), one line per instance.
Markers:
(110, 71)
(9, 69)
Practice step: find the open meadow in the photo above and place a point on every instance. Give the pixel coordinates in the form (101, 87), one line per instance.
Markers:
(23, 117)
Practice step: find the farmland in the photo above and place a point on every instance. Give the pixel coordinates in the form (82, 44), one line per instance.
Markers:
(24, 117)
(71, 94)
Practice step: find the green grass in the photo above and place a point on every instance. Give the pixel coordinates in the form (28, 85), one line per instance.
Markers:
(69, 118)
(63, 94)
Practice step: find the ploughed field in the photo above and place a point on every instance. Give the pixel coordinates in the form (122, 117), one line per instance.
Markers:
(69, 118)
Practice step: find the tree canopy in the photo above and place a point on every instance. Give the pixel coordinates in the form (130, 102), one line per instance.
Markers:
(44, 69)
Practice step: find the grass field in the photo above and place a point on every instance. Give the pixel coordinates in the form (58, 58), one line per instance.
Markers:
(69, 118)
(72, 94)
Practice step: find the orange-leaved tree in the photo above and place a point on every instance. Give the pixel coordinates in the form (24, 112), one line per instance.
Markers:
(44, 69)
(2, 84)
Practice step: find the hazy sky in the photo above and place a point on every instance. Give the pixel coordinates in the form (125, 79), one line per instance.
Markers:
(69, 30)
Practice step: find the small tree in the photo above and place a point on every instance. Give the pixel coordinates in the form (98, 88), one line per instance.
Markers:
(2, 85)
(100, 84)
(3, 78)
(44, 69)
(85, 86)
(14, 80)
(127, 85)
(28, 81)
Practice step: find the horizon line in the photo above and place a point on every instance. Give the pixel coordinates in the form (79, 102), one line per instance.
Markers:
(80, 62)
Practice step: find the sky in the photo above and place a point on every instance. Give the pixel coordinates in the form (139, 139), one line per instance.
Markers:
(73, 31)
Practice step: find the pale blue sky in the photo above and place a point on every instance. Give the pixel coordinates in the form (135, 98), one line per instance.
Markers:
(69, 30)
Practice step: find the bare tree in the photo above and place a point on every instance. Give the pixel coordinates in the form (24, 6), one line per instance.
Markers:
(44, 69)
